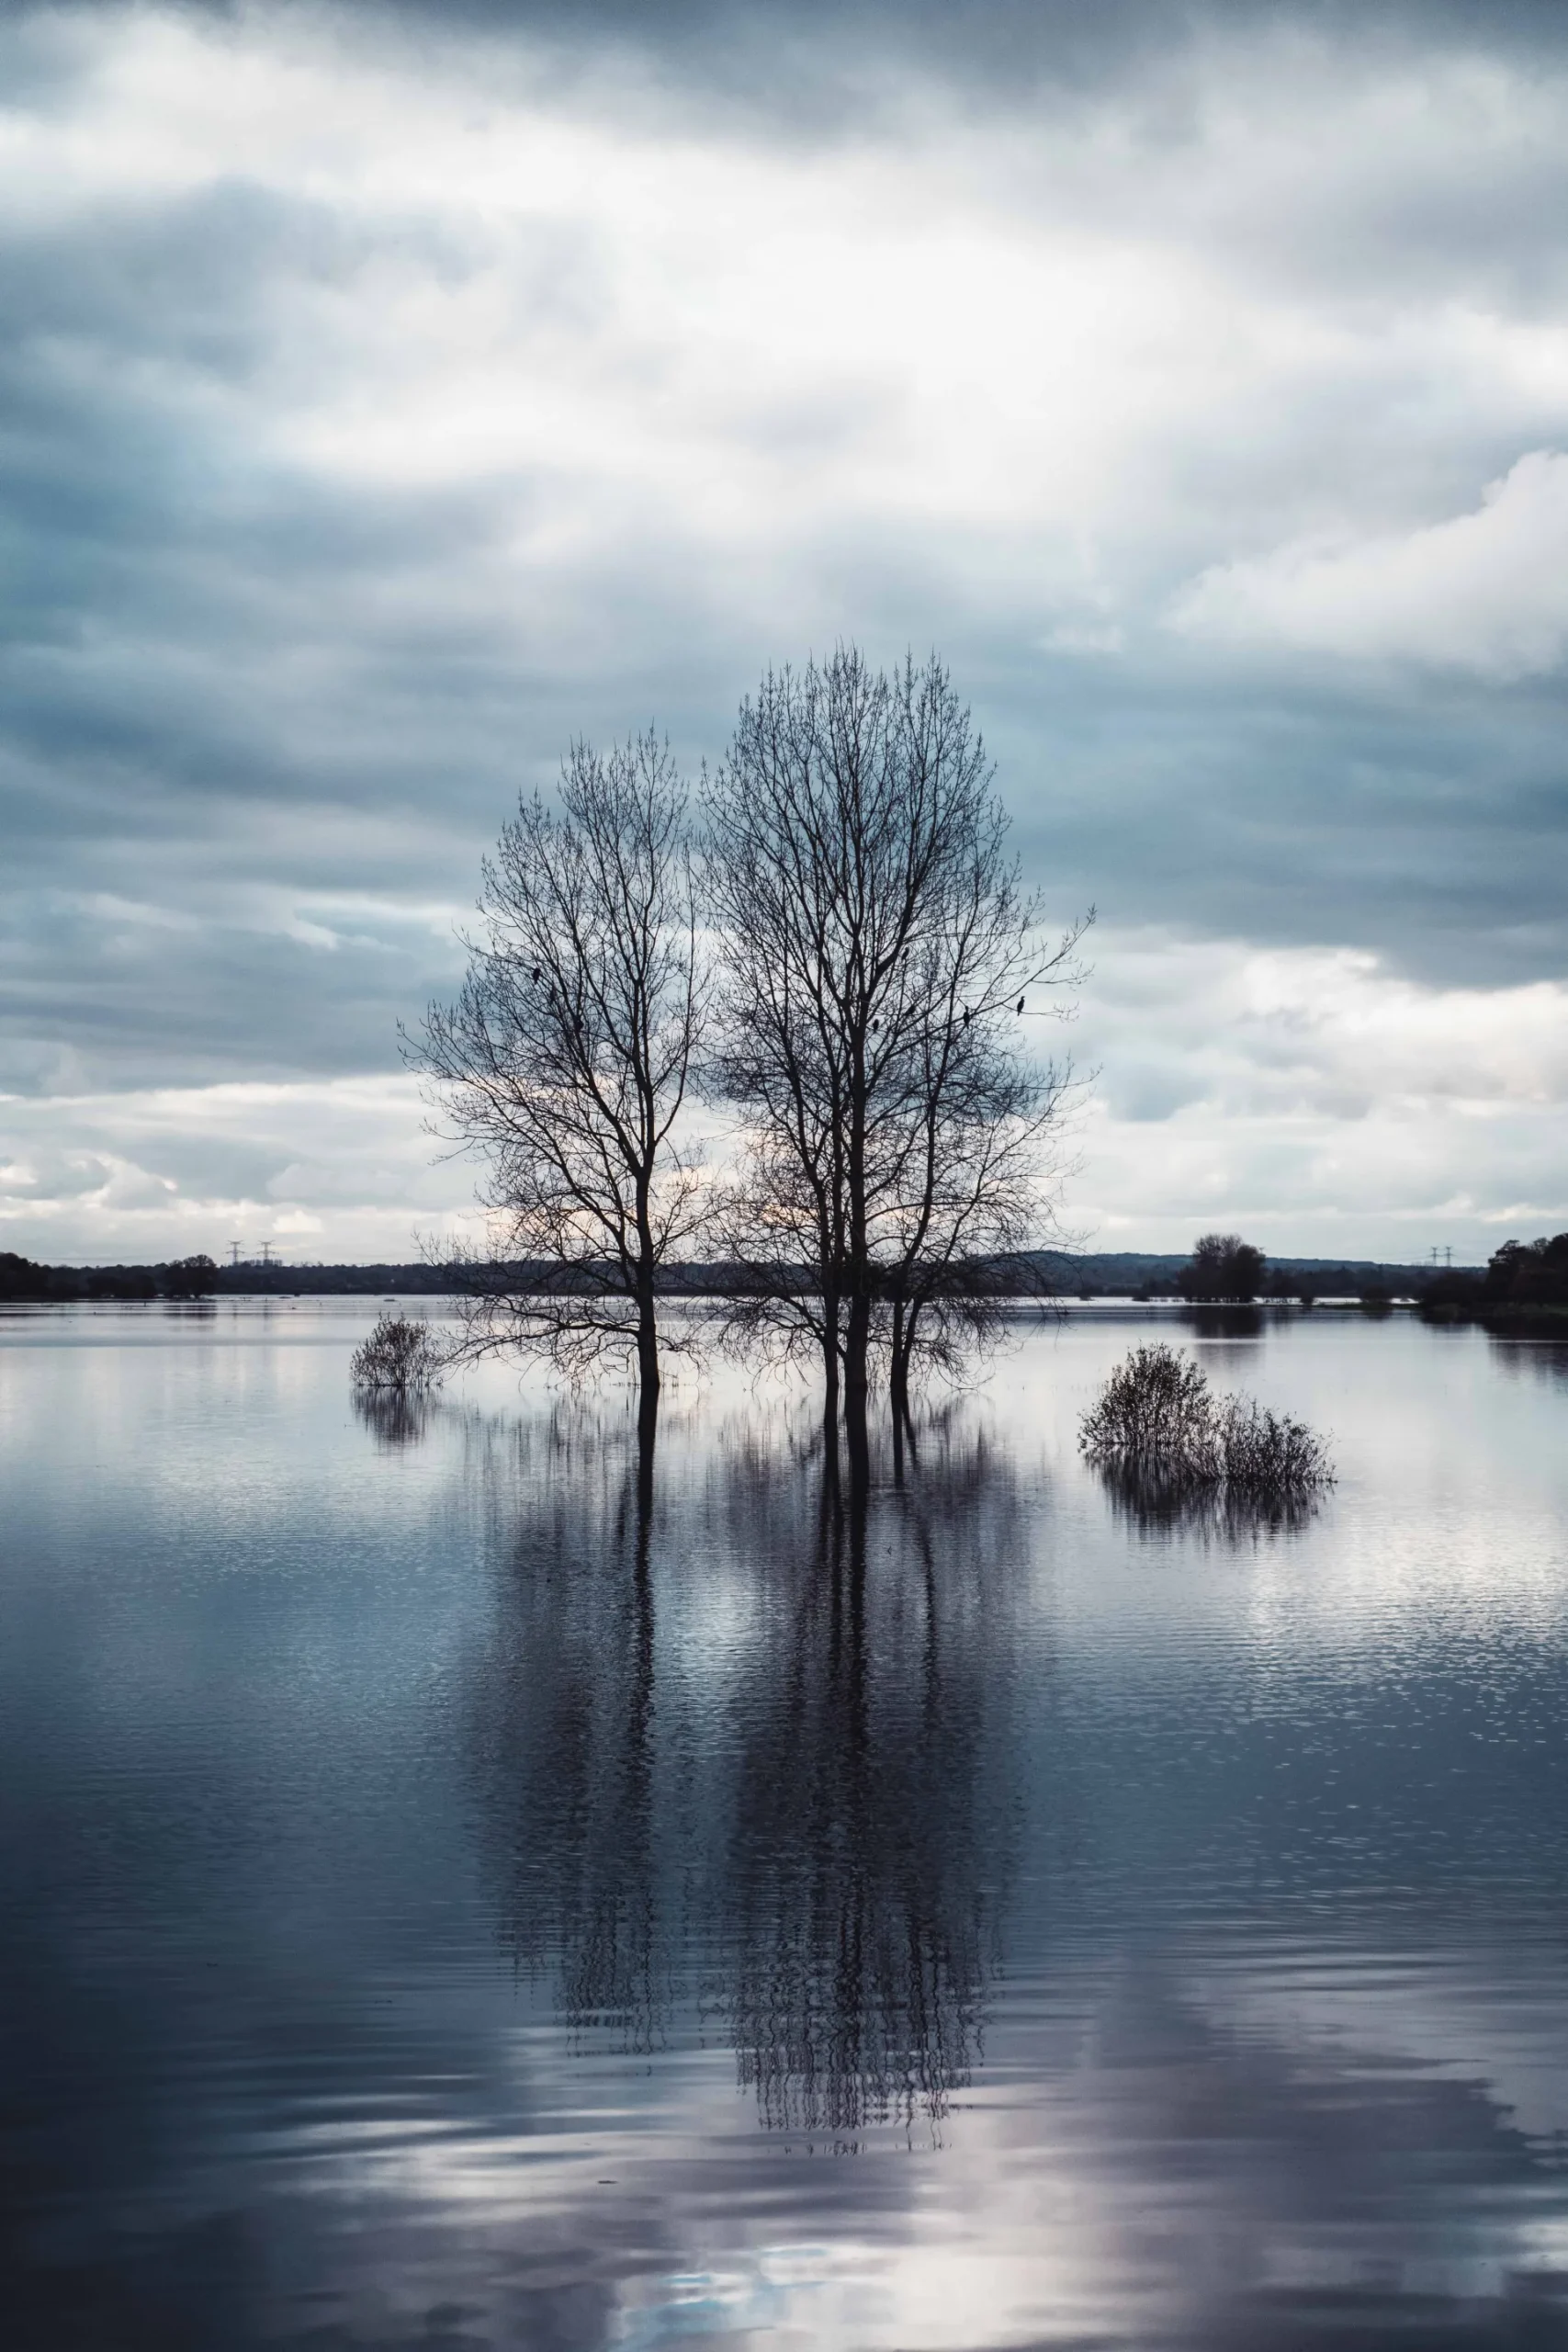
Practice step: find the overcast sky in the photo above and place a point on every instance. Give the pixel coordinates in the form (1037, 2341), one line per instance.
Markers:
(388, 393)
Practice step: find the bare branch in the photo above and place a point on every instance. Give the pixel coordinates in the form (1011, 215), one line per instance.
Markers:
(878, 951)
(564, 1064)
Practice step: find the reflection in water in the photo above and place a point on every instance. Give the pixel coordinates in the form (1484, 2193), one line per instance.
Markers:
(563, 1720)
(1530, 1357)
(1162, 1506)
(397, 1417)
(753, 1777)
(834, 1872)
(1225, 1322)
(861, 1890)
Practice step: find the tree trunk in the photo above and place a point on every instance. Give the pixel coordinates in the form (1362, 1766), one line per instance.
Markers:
(903, 1357)
(857, 1349)
(898, 1371)
(830, 1360)
(646, 1336)
(857, 1688)
(647, 1432)
(857, 1435)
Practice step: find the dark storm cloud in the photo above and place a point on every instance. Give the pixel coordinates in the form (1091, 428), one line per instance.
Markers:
(211, 673)
(1434, 829)
(1003, 48)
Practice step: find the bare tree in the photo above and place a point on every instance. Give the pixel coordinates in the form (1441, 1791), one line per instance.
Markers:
(565, 1063)
(981, 1206)
(875, 945)
(968, 1191)
(1223, 1266)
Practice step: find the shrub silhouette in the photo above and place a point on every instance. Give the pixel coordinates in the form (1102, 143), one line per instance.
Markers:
(1153, 1411)
(1158, 1422)
(399, 1355)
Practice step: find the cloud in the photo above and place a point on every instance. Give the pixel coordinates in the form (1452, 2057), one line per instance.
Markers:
(1485, 592)
(386, 399)
(1319, 1100)
(331, 1170)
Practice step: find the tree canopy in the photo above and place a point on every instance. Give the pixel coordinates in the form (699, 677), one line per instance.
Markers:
(1222, 1267)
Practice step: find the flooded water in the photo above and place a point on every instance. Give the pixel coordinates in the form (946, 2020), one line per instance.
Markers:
(467, 1886)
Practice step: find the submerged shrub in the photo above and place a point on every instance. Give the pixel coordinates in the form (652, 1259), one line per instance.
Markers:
(1153, 1413)
(1157, 1424)
(399, 1354)
(1268, 1453)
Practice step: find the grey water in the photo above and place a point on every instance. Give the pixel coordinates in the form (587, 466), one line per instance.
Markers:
(467, 1885)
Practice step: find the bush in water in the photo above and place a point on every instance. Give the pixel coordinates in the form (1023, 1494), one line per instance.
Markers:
(1155, 1409)
(399, 1354)
(1156, 1415)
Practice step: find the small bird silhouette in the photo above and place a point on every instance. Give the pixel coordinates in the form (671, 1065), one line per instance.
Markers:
(966, 1016)
(536, 971)
(1021, 1004)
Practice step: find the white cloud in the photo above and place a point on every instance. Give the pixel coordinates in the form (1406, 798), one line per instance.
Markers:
(687, 331)
(1318, 1099)
(337, 1168)
(1485, 592)
(1312, 1096)
(1091, 638)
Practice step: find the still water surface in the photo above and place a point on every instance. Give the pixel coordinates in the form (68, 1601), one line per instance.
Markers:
(458, 1893)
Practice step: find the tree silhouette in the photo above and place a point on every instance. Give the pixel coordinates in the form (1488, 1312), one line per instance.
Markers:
(877, 953)
(1223, 1266)
(565, 1062)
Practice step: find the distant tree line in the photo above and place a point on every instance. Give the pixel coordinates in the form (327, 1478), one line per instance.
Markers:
(1528, 1274)
(22, 1279)
(1521, 1277)
(1224, 1270)
(1044, 1272)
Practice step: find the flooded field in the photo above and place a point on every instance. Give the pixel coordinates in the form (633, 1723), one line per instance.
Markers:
(467, 1885)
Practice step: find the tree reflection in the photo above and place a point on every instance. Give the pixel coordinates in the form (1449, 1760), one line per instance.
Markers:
(395, 1416)
(861, 1909)
(1530, 1355)
(1212, 1322)
(565, 1714)
(1165, 1505)
(740, 1738)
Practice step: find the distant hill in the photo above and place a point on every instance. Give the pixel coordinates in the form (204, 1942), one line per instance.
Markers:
(1115, 1273)
(1121, 1271)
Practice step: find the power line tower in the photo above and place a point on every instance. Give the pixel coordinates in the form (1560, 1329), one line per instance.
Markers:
(234, 1249)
